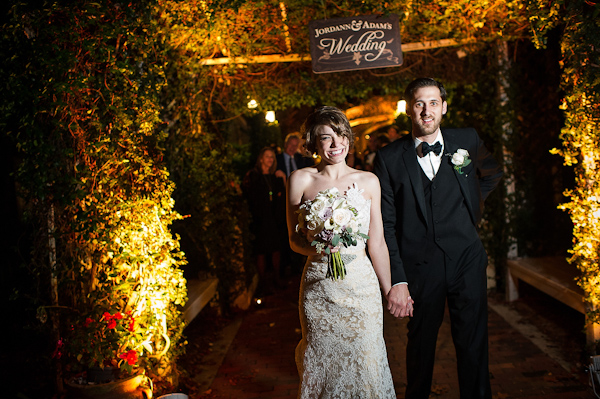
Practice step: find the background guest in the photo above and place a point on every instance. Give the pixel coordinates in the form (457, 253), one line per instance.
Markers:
(264, 190)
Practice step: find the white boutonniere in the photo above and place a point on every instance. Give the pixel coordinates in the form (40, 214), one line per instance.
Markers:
(460, 159)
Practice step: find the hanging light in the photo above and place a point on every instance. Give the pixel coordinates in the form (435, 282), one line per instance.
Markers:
(252, 104)
(270, 116)
(401, 107)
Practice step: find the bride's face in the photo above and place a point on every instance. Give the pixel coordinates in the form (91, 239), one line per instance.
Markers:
(331, 147)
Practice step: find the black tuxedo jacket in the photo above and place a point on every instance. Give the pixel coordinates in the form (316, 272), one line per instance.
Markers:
(403, 200)
(301, 162)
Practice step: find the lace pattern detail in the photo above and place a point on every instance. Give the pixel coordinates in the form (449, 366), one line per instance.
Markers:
(342, 353)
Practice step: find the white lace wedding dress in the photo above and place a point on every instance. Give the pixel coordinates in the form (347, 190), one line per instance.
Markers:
(342, 353)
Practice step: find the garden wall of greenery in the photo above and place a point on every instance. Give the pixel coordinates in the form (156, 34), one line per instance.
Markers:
(122, 153)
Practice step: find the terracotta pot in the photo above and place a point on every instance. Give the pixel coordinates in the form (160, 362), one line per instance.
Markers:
(99, 375)
(127, 388)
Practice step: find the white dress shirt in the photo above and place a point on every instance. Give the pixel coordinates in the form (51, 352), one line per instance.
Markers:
(430, 163)
(290, 163)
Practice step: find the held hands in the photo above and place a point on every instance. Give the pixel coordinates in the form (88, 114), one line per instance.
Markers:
(400, 304)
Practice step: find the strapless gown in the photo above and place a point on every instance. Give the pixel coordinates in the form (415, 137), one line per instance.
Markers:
(342, 353)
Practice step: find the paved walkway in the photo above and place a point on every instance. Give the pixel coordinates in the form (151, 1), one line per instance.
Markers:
(257, 357)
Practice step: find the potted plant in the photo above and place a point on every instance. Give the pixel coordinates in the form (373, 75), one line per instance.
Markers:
(127, 319)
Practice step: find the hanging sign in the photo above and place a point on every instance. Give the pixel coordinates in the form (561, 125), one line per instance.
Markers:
(362, 42)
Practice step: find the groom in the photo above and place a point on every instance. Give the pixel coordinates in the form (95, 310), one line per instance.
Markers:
(432, 200)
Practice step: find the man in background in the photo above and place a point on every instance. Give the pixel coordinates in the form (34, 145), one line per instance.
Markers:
(291, 159)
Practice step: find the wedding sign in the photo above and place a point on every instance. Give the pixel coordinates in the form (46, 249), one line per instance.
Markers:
(362, 42)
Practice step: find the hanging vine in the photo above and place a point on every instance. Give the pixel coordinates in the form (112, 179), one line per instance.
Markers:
(580, 44)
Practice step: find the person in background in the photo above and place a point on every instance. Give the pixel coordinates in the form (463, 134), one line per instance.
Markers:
(393, 133)
(264, 190)
(291, 158)
(353, 160)
(288, 161)
(375, 143)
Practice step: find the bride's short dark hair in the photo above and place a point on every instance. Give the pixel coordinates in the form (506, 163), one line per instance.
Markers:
(325, 116)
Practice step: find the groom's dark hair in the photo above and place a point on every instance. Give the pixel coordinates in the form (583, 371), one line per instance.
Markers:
(326, 116)
(409, 92)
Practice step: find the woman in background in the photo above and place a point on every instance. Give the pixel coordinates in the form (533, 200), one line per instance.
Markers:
(264, 190)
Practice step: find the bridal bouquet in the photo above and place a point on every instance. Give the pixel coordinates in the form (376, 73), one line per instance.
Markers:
(330, 221)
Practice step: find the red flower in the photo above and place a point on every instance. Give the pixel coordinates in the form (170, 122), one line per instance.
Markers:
(131, 325)
(88, 321)
(131, 357)
(118, 316)
(57, 351)
(112, 323)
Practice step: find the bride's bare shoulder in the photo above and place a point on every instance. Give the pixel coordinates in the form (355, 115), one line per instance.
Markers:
(367, 180)
(303, 177)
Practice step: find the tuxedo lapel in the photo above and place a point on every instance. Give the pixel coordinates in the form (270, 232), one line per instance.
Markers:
(450, 149)
(413, 169)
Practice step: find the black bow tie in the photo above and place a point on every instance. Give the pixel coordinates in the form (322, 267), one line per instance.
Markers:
(436, 148)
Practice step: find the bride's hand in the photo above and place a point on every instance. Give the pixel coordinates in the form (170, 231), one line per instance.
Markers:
(333, 249)
(400, 304)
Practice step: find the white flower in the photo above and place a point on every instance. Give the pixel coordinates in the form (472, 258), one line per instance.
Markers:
(331, 193)
(327, 221)
(317, 205)
(342, 217)
(329, 225)
(458, 159)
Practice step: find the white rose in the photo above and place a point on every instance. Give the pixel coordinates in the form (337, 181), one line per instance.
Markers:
(458, 159)
(311, 225)
(462, 152)
(342, 217)
(317, 205)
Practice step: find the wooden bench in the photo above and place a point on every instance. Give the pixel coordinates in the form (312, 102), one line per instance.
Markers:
(200, 292)
(554, 276)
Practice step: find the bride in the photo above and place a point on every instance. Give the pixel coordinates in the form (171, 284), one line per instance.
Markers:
(342, 353)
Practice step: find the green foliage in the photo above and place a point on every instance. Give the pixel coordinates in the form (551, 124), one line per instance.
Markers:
(83, 108)
(581, 84)
(203, 165)
(259, 28)
(96, 94)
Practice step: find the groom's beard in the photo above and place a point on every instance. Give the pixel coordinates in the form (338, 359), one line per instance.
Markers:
(421, 128)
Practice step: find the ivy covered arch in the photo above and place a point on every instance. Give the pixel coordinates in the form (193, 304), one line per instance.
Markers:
(117, 119)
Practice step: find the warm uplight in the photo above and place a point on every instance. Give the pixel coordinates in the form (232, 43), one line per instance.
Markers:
(401, 107)
(252, 104)
(270, 116)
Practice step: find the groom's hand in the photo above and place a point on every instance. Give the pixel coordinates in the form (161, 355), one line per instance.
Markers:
(400, 304)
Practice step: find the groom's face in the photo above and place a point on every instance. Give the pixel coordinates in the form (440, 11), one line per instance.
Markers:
(425, 111)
